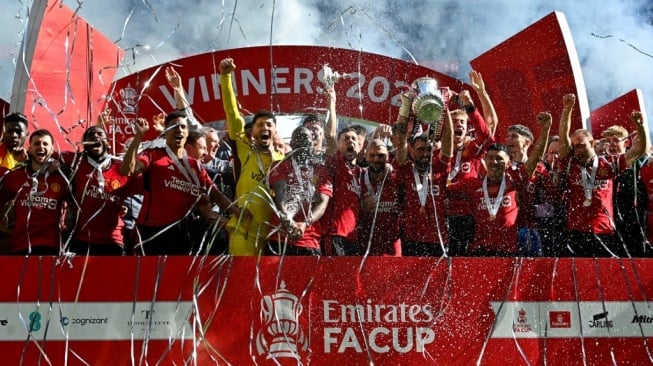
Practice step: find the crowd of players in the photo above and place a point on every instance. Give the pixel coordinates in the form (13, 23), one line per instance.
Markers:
(438, 189)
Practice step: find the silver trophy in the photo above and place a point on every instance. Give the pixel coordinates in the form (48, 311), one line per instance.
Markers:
(428, 103)
(328, 77)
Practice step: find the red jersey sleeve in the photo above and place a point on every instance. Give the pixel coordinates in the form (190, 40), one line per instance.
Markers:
(483, 135)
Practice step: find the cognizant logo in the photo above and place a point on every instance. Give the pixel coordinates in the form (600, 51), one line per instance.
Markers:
(65, 321)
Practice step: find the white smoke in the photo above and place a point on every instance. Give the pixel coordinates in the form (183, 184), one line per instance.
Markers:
(614, 38)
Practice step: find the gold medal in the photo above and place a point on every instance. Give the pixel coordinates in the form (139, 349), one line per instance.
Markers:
(422, 210)
(492, 217)
(587, 202)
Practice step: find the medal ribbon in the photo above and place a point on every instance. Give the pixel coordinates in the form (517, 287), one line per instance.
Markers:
(370, 189)
(185, 169)
(456, 166)
(421, 186)
(98, 169)
(493, 208)
(588, 180)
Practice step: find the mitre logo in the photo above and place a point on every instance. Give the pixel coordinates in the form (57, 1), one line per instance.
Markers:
(280, 335)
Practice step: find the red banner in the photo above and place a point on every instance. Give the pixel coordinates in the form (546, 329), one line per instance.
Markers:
(326, 311)
(531, 71)
(292, 85)
(617, 112)
(70, 67)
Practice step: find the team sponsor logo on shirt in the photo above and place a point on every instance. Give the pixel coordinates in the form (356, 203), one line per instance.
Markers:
(599, 184)
(435, 189)
(182, 186)
(506, 201)
(94, 192)
(386, 207)
(39, 202)
(353, 187)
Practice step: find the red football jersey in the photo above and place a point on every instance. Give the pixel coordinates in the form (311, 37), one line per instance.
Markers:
(344, 209)
(496, 233)
(598, 216)
(38, 207)
(383, 215)
(466, 163)
(424, 221)
(313, 180)
(170, 189)
(99, 219)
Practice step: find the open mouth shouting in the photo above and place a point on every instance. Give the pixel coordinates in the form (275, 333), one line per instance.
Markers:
(94, 147)
(265, 138)
(350, 153)
(41, 156)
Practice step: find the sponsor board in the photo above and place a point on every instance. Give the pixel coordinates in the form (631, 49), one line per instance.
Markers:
(326, 311)
(623, 319)
(95, 320)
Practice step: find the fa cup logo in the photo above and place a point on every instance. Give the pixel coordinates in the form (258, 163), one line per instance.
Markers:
(280, 334)
(129, 97)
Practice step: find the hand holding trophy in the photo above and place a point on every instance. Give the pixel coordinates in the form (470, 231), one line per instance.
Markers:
(428, 103)
(329, 78)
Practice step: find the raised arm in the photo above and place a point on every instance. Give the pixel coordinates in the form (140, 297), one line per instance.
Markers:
(104, 118)
(174, 80)
(568, 102)
(400, 130)
(235, 122)
(544, 119)
(331, 129)
(130, 164)
(643, 143)
(447, 136)
(489, 113)
(484, 135)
